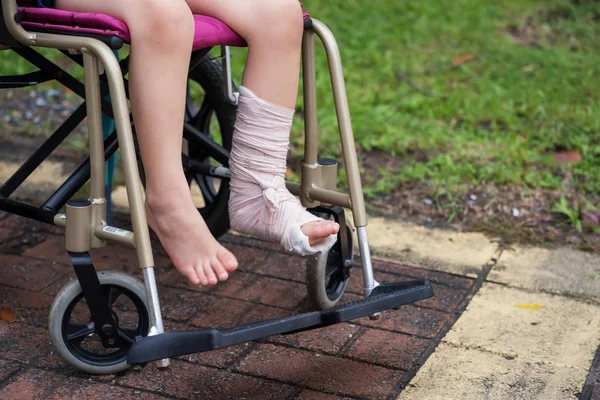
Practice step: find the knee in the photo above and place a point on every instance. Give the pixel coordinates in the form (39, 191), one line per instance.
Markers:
(279, 22)
(165, 23)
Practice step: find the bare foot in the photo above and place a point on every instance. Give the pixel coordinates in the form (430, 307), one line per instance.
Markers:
(319, 230)
(189, 243)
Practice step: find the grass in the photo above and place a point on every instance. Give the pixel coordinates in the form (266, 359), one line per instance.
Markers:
(528, 89)
(462, 92)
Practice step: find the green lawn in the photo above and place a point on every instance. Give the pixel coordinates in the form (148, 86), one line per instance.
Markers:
(463, 92)
(531, 88)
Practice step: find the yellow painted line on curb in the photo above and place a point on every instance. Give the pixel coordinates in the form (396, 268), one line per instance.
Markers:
(529, 306)
(511, 343)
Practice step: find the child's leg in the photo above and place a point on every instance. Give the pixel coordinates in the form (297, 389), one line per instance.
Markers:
(260, 204)
(161, 34)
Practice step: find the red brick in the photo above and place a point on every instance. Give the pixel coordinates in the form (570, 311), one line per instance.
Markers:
(249, 287)
(5, 234)
(51, 250)
(181, 305)
(171, 277)
(221, 358)
(250, 242)
(190, 381)
(410, 319)
(248, 257)
(7, 368)
(235, 286)
(122, 258)
(113, 256)
(27, 307)
(310, 395)
(283, 266)
(326, 340)
(219, 312)
(246, 286)
(29, 273)
(320, 372)
(456, 281)
(250, 260)
(55, 287)
(262, 289)
(23, 342)
(10, 221)
(37, 384)
(386, 348)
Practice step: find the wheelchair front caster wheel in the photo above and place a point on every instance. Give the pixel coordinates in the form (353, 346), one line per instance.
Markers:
(326, 276)
(76, 338)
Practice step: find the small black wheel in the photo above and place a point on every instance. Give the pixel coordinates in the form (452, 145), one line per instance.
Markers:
(210, 111)
(74, 334)
(325, 278)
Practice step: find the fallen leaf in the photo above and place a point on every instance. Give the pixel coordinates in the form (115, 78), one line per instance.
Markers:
(567, 156)
(529, 306)
(7, 315)
(528, 68)
(463, 59)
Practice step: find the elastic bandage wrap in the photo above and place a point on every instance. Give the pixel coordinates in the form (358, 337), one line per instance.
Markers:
(259, 204)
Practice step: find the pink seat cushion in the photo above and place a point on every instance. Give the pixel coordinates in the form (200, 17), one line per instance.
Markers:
(209, 31)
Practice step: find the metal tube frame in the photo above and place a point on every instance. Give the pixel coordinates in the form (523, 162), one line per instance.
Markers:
(308, 191)
(95, 51)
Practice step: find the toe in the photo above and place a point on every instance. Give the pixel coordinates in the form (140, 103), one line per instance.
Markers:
(219, 270)
(210, 274)
(191, 275)
(227, 259)
(201, 275)
(320, 229)
(335, 228)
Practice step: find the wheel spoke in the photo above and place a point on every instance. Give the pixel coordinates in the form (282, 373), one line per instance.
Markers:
(128, 335)
(330, 270)
(77, 333)
(113, 295)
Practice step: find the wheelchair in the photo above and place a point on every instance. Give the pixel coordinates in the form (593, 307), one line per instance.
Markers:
(90, 40)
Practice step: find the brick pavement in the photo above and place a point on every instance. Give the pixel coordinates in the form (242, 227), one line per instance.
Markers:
(361, 360)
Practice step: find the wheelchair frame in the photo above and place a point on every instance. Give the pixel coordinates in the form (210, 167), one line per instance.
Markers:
(84, 221)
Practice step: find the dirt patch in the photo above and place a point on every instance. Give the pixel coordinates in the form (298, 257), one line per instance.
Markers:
(35, 112)
(544, 26)
(510, 214)
(526, 33)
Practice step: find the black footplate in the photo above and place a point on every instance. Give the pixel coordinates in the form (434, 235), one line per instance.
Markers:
(171, 344)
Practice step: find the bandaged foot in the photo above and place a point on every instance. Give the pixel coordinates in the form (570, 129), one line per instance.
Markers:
(260, 205)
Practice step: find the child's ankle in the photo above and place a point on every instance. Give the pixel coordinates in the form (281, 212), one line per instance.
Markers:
(163, 201)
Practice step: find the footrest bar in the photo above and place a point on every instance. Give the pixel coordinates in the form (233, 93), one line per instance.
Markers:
(171, 344)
